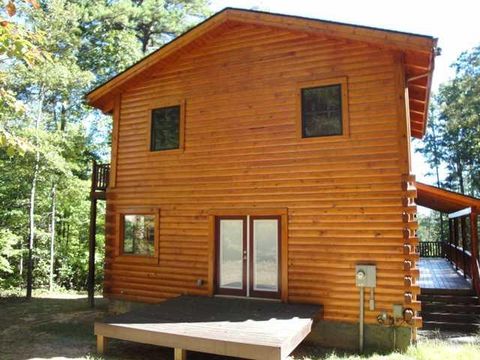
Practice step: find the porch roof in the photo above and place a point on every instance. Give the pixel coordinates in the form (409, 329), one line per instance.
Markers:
(442, 200)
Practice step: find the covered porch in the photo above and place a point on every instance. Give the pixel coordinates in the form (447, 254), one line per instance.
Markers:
(246, 328)
(452, 262)
(449, 268)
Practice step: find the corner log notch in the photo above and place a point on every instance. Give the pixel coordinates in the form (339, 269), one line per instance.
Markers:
(100, 179)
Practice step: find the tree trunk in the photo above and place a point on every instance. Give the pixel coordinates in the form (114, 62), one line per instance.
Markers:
(52, 238)
(20, 264)
(437, 172)
(33, 191)
(460, 176)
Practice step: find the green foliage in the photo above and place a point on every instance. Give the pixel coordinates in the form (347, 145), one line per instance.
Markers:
(453, 136)
(430, 227)
(51, 53)
(8, 253)
(452, 141)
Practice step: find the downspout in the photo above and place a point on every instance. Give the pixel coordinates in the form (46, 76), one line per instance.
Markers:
(436, 51)
(362, 318)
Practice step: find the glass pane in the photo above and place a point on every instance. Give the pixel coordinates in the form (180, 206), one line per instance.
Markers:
(231, 254)
(165, 128)
(322, 111)
(139, 234)
(265, 255)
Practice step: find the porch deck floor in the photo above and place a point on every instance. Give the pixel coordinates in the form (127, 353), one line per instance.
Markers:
(439, 273)
(252, 329)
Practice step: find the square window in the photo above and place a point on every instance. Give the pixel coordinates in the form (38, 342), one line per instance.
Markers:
(139, 235)
(322, 111)
(165, 128)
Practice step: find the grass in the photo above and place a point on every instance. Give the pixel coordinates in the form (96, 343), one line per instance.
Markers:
(61, 326)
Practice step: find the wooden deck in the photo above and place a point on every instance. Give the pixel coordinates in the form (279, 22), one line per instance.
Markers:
(439, 273)
(252, 329)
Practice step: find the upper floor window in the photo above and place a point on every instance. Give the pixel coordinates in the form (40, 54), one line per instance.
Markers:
(165, 133)
(323, 109)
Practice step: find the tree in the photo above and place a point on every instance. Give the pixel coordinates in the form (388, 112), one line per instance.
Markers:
(16, 45)
(459, 102)
(452, 141)
(81, 42)
(118, 33)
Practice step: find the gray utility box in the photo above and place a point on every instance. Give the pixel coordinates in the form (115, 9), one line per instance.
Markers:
(366, 275)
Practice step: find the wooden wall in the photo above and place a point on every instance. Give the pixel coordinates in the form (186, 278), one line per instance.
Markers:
(345, 197)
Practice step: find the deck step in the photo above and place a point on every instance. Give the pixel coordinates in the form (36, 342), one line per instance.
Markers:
(453, 318)
(450, 308)
(449, 299)
(461, 327)
(461, 292)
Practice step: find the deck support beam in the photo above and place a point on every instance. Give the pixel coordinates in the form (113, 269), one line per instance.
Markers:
(91, 251)
(180, 354)
(102, 343)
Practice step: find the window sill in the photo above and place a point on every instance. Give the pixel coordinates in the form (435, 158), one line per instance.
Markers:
(138, 259)
(156, 153)
(319, 139)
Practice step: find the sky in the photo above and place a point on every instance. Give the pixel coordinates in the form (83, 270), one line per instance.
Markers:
(456, 24)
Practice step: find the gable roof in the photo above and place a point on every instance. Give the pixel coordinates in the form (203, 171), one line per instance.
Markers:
(419, 52)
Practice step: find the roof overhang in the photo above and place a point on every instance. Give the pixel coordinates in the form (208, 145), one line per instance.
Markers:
(444, 200)
(419, 51)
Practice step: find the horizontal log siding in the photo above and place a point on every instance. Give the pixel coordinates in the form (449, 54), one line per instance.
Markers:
(344, 197)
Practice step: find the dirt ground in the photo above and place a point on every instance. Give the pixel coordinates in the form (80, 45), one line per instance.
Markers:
(61, 327)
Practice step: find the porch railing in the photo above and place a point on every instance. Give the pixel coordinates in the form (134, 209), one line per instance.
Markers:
(462, 246)
(100, 177)
(431, 249)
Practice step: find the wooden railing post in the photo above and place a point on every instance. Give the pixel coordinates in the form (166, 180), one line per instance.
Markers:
(455, 243)
(463, 226)
(448, 248)
(475, 267)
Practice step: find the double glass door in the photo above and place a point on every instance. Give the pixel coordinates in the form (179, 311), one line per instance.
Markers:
(248, 256)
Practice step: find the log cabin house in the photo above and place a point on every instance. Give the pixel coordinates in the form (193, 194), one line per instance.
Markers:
(266, 156)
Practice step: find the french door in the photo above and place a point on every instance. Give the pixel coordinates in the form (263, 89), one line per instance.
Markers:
(248, 256)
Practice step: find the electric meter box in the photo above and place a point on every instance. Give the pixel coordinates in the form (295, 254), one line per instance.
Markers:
(366, 275)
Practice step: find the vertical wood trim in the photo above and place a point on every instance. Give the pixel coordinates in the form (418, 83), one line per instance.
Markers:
(402, 115)
(284, 258)
(115, 132)
(211, 255)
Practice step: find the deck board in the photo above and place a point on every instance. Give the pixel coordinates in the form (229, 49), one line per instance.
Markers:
(439, 273)
(245, 328)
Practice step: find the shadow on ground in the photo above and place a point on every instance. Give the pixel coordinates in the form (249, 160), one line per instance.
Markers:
(47, 328)
(62, 327)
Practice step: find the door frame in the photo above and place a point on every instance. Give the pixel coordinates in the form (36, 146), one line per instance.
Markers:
(226, 291)
(213, 251)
